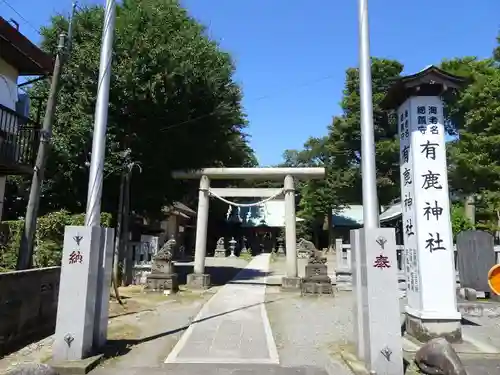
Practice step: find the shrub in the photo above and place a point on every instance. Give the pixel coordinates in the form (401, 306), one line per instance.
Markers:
(459, 222)
(48, 238)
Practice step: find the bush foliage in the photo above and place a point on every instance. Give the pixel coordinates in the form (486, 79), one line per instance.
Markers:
(48, 239)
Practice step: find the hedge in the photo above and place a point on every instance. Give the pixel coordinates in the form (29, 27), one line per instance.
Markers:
(48, 238)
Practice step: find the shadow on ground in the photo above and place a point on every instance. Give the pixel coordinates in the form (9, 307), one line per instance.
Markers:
(117, 348)
(219, 275)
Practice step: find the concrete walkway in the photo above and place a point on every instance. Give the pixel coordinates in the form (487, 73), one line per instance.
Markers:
(233, 326)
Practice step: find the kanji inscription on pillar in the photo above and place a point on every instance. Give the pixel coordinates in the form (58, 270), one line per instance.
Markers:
(407, 200)
(75, 257)
(381, 262)
(424, 191)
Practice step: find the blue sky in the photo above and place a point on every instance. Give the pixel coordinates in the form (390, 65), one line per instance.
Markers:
(291, 55)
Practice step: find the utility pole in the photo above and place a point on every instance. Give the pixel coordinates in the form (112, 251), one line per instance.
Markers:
(124, 248)
(119, 218)
(368, 166)
(94, 196)
(25, 258)
(118, 233)
(124, 240)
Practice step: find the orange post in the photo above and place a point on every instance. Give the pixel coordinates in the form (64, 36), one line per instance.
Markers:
(494, 279)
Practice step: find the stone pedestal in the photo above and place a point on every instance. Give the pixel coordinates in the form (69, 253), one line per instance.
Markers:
(377, 300)
(281, 251)
(220, 253)
(289, 283)
(162, 277)
(198, 281)
(232, 247)
(425, 328)
(77, 293)
(316, 280)
(158, 282)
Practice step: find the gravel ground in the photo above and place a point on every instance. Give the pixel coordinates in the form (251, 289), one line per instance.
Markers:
(140, 339)
(145, 336)
(153, 335)
(307, 329)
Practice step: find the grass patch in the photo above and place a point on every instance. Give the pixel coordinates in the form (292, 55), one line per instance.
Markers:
(123, 331)
(187, 296)
(246, 256)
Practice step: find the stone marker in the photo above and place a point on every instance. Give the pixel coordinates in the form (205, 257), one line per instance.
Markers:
(232, 247)
(475, 258)
(316, 280)
(358, 288)
(220, 250)
(281, 248)
(375, 261)
(77, 293)
(162, 277)
(344, 264)
(244, 249)
(437, 356)
(104, 285)
(428, 241)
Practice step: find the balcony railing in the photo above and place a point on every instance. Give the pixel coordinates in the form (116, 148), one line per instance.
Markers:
(19, 138)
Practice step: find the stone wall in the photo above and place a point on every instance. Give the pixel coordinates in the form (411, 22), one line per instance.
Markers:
(28, 306)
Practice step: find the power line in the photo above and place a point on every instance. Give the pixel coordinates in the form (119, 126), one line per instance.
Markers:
(214, 112)
(267, 96)
(22, 17)
(169, 127)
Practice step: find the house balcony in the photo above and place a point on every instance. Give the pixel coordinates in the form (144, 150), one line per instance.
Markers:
(19, 139)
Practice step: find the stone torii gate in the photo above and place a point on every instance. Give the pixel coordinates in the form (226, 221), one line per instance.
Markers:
(199, 279)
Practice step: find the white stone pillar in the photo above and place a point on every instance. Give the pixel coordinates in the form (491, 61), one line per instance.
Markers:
(348, 254)
(357, 287)
(377, 311)
(290, 230)
(76, 306)
(199, 279)
(338, 254)
(431, 280)
(105, 268)
(291, 281)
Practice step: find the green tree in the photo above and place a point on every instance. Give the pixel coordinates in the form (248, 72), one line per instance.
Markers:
(344, 140)
(318, 198)
(173, 102)
(474, 157)
(459, 222)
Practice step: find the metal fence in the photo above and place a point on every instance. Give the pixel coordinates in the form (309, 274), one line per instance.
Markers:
(344, 257)
(19, 138)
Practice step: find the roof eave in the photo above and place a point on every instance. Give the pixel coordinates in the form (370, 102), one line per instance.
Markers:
(407, 86)
(21, 53)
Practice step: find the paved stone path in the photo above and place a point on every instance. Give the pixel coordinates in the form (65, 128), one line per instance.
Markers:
(232, 327)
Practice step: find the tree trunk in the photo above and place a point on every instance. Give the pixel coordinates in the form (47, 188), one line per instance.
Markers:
(116, 256)
(124, 247)
(470, 209)
(331, 240)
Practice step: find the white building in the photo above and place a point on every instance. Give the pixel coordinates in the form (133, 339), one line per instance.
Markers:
(19, 134)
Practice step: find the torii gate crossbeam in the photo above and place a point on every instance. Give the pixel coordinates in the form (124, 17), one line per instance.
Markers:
(199, 279)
